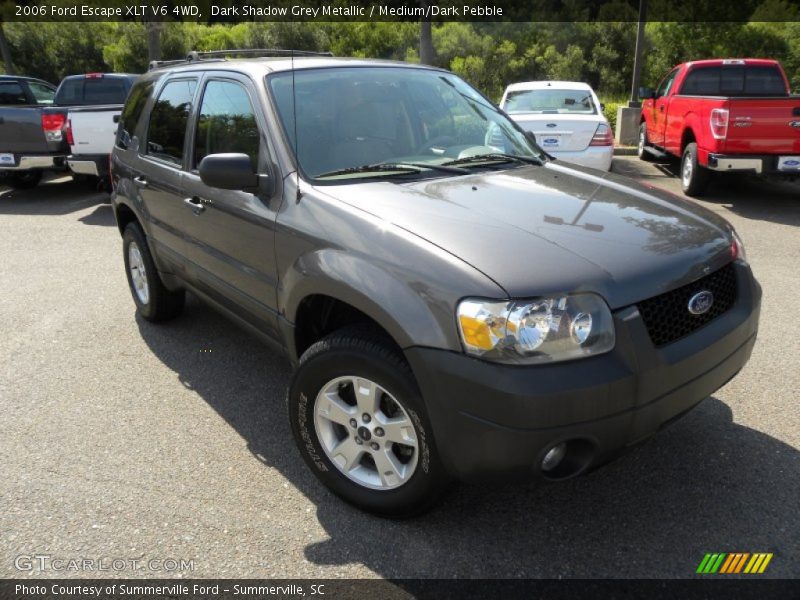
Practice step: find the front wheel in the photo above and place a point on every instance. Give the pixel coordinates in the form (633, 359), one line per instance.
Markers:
(694, 177)
(360, 423)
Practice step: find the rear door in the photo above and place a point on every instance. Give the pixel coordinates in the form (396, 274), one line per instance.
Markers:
(656, 132)
(158, 172)
(232, 248)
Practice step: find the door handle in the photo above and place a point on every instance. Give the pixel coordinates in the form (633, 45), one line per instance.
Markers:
(195, 203)
(661, 107)
(140, 182)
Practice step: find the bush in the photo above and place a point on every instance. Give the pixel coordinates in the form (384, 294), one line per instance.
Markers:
(610, 110)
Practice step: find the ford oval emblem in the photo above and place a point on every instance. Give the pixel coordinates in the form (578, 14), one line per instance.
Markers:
(701, 302)
(552, 124)
(792, 163)
(550, 141)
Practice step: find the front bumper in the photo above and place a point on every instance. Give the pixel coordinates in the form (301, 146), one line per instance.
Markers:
(493, 420)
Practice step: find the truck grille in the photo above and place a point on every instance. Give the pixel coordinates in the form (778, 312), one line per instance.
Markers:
(667, 316)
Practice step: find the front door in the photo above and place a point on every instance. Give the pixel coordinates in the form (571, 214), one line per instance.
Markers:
(232, 246)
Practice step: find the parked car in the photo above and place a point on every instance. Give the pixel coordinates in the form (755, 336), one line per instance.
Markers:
(723, 115)
(451, 310)
(567, 119)
(24, 145)
(95, 102)
(34, 137)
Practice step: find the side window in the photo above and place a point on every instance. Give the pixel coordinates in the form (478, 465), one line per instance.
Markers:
(44, 94)
(226, 123)
(666, 85)
(12, 93)
(168, 119)
(131, 114)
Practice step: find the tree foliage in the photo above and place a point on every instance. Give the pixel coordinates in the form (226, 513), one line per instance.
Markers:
(489, 55)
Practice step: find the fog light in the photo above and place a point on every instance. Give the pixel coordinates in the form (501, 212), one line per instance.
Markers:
(554, 457)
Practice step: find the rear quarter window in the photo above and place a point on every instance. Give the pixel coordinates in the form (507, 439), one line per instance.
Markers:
(131, 113)
(166, 131)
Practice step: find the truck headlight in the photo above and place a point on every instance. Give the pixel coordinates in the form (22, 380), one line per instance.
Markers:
(536, 330)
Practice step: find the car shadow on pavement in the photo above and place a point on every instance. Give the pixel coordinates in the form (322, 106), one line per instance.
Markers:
(746, 195)
(103, 215)
(706, 484)
(55, 197)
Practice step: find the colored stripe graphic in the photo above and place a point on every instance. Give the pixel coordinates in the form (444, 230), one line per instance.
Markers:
(734, 562)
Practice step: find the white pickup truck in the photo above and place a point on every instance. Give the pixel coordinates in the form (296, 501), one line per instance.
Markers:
(95, 101)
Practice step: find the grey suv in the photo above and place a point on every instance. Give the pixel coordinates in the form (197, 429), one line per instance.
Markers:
(457, 304)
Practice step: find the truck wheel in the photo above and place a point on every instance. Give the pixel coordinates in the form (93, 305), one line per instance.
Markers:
(153, 300)
(694, 177)
(360, 423)
(641, 149)
(24, 181)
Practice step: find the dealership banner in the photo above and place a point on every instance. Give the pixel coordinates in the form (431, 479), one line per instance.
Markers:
(221, 11)
(376, 589)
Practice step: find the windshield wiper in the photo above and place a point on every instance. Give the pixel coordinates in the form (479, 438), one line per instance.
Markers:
(495, 157)
(391, 167)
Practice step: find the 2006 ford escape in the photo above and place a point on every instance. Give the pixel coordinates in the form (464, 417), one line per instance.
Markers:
(457, 304)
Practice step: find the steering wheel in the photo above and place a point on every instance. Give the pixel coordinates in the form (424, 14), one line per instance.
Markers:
(438, 141)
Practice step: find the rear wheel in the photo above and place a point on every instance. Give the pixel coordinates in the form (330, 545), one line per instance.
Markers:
(641, 149)
(153, 300)
(24, 181)
(360, 423)
(694, 177)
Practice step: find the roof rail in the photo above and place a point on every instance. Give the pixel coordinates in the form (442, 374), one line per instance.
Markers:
(195, 56)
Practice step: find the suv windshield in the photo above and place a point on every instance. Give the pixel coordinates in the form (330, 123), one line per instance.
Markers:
(356, 122)
(551, 101)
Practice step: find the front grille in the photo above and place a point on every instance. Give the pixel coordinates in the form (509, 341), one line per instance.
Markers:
(667, 316)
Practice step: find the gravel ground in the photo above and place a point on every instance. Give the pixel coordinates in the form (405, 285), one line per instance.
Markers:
(125, 440)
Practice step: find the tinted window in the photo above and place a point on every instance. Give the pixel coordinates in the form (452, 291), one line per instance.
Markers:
(226, 123)
(131, 113)
(666, 85)
(168, 120)
(44, 94)
(12, 93)
(734, 81)
(84, 91)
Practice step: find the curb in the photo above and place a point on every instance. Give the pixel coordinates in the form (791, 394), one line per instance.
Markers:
(625, 150)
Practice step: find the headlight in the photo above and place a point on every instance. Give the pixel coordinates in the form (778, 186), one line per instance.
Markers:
(737, 249)
(538, 330)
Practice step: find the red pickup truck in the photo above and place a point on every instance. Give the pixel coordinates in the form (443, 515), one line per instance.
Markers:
(722, 115)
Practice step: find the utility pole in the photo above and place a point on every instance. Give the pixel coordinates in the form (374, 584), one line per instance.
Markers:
(637, 59)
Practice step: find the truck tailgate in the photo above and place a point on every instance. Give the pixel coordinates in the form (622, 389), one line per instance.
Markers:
(93, 129)
(763, 126)
(21, 130)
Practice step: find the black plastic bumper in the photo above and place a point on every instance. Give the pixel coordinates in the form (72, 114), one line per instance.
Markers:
(493, 420)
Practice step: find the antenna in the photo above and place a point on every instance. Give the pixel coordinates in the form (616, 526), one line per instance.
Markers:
(296, 142)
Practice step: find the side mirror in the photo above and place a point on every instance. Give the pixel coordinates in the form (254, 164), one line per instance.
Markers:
(602, 107)
(231, 171)
(531, 136)
(115, 118)
(646, 93)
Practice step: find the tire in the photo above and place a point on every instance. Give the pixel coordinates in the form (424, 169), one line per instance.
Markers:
(414, 477)
(641, 150)
(153, 300)
(24, 181)
(694, 177)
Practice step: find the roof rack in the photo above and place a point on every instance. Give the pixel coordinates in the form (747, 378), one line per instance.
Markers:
(195, 56)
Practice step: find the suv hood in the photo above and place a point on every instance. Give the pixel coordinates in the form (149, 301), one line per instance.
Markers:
(555, 228)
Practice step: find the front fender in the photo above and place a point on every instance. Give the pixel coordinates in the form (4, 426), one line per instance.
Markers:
(413, 313)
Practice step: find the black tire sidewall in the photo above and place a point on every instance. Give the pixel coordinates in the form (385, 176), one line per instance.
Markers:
(24, 181)
(133, 233)
(338, 361)
(698, 180)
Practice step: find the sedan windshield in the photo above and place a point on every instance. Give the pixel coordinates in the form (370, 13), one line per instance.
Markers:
(551, 101)
(359, 122)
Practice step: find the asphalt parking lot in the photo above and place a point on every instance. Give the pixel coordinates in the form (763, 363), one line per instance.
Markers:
(125, 440)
